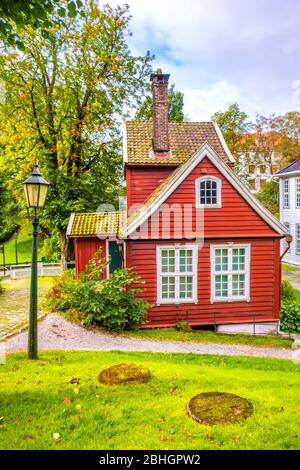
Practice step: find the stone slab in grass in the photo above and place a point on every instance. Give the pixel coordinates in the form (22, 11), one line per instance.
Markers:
(219, 408)
(124, 374)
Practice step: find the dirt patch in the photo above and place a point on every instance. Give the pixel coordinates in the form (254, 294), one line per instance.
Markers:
(219, 408)
(124, 374)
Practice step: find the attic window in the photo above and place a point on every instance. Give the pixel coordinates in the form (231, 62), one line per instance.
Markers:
(208, 192)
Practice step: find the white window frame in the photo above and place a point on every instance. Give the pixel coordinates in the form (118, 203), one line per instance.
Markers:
(230, 273)
(297, 239)
(286, 194)
(297, 191)
(177, 274)
(219, 192)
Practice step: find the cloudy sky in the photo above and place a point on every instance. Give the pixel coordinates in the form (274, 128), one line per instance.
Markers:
(221, 51)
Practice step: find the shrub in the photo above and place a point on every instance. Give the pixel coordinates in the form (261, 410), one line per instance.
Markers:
(287, 291)
(183, 326)
(109, 303)
(290, 316)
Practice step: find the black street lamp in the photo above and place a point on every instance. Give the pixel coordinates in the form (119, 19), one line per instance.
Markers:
(36, 189)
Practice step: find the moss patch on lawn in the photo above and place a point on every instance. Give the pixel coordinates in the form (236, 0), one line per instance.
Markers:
(124, 374)
(219, 408)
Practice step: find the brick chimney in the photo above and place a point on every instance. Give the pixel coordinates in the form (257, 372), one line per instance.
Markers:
(160, 140)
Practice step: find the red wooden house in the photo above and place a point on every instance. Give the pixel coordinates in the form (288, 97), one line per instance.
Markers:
(207, 249)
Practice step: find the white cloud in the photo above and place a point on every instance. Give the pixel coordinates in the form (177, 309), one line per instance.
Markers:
(202, 103)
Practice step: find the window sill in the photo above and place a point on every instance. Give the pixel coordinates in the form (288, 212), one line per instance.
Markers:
(240, 299)
(209, 206)
(176, 302)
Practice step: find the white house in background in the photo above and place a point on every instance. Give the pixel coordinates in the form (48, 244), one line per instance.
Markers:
(255, 169)
(289, 194)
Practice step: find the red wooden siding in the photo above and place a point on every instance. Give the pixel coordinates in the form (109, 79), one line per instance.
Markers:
(264, 286)
(235, 218)
(142, 181)
(85, 249)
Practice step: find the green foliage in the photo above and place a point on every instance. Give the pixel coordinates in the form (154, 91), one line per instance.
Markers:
(109, 303)
(51, 247)
(8, 212)
(183, 326)
(175, 101)
(287, 291)
(36, 13)
(269, 197)
(233, 123)
(290, 316)
(1, 287)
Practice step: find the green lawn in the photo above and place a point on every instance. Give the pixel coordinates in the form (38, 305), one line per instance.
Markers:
(24, 246)
(145, 416)
(287, 268)
(202, 336)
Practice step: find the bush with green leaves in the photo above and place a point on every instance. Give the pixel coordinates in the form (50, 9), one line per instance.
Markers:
(290, 317)
(110, 303)
(287, 291)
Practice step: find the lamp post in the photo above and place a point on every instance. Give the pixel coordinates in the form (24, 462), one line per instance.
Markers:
(36, 189)
(15, 236)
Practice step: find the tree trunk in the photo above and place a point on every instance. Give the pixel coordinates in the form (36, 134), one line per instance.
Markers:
(64, 245)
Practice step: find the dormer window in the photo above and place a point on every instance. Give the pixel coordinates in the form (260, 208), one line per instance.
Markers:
(208, 192)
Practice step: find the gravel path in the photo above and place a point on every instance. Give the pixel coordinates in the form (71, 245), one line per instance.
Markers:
(57, 333)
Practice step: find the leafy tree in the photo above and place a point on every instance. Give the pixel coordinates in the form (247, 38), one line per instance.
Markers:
(287, 127)
(233, 124)
(36, 13)
(176, 103)
(64, 96)
(269, 196)
(9, 208)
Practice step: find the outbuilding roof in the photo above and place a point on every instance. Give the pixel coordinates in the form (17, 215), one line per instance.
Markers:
(95, 224)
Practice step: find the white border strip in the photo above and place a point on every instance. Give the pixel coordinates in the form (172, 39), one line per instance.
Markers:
(70, 224)
(223, 142)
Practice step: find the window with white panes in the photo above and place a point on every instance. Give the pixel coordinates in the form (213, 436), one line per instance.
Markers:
(230, 272)
(177, 274)
(286, 194)
(208, 192)
(298, 193)
(297, 239)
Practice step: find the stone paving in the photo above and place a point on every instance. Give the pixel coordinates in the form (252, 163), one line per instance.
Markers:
(14, 304)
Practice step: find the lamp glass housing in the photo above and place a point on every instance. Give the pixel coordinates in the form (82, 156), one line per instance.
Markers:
(36, 189)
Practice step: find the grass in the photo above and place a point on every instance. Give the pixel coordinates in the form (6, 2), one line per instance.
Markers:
(287, 268)
(37, 401)
(202, 336)
(24, 246)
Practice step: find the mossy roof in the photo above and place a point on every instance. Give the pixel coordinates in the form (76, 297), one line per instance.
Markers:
(95, 224)
(185, 139)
